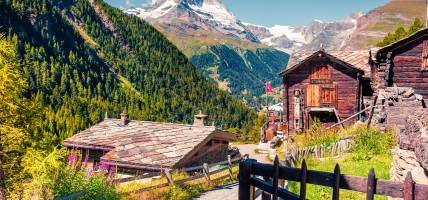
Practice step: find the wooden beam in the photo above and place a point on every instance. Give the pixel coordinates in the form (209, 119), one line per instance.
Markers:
(372, 111)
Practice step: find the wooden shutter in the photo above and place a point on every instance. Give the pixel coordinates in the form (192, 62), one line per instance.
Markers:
(424, 65)
(321, 74)
(328, 95)
(313, 95)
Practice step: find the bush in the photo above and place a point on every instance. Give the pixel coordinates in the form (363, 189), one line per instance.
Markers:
(370, 141)
(52, 177)
(316, 135)
(183, 192)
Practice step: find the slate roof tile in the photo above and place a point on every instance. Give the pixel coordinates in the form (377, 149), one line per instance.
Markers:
(143, 143)
(359, 59)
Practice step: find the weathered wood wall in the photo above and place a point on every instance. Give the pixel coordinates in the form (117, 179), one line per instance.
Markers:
(406, 70)
(346, 80)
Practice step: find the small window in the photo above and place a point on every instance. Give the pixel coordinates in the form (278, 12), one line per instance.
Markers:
(321, 74)
(424, 66)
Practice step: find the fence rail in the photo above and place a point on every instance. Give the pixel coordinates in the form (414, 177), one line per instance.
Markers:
(250, 169)
(206, 173)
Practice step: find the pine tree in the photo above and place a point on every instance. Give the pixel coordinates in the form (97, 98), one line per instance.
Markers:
(400, 33)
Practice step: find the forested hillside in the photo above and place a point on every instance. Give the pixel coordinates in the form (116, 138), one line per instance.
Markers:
(82, 59)
(242, 71)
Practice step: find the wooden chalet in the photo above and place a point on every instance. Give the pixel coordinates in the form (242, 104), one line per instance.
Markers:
(152, 146)
(403, 64)
(324, 85)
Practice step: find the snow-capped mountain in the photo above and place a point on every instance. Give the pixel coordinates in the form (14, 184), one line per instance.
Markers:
(210, 15)
(331, 35)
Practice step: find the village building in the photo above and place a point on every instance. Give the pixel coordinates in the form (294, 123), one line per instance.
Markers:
(152, 146)
(403, 64)
(327, 85)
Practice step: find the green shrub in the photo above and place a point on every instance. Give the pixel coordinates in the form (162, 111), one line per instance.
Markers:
(52, 177)
(370, 141)
(184, 192)
(316, 135)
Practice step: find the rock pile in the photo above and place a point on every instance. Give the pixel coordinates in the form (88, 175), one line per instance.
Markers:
(400, 108)
(394, 104)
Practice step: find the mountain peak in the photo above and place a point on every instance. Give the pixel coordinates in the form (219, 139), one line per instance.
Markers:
(210, 15)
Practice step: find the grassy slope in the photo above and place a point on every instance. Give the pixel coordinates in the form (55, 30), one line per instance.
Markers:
(371, 150)
(387, 19)
(348, 165)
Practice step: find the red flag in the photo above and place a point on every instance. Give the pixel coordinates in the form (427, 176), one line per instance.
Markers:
(268, 87)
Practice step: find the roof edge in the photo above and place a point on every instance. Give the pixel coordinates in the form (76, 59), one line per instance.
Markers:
(337, 60)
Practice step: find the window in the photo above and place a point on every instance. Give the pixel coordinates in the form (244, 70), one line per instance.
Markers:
(321, 74)
(424, 65)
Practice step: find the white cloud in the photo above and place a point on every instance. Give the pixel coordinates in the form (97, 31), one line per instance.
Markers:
(128, 3)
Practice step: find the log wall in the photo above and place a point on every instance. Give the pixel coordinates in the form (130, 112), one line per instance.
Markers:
(406, 70)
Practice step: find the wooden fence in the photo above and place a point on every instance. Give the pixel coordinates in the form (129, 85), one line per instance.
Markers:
(250, 170)
(318, 151)
(206, 173)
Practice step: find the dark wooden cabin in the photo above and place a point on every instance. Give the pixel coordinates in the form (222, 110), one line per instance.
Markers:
(403, 64)
(324, 85)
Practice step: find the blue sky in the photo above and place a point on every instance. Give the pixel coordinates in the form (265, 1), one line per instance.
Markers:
(283, 12)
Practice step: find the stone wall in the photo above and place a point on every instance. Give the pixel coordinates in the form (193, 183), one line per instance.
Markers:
(394, 104)
(401, 109)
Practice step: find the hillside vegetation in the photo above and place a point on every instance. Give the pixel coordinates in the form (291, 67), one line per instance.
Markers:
(243, 66)
(401, 33)
(78, 59)
(245, 70)
(385, 19)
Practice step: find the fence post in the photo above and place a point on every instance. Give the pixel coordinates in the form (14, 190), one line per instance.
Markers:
(371, 185)
(167, 173)
(266, 195)
(206, 172)
(229, 163)
(244, 190)
(409, 187)
(304, 180)
(275, 178)
(336, 187)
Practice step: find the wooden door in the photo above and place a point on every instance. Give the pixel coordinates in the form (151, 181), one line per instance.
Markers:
(313, 95)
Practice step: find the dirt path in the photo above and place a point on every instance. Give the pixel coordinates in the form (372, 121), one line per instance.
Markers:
(250, 150)
(230, 191)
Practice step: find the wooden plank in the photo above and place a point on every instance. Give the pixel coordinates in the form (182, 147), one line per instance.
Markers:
(229, 166)
(245, 172)
(303, 180)
(206, 172)
(313, 95)
(336, 187)
(421, 191)
(275, 178)
(266, 194)
(371, 185)
(265, 186)
(409, 187)
(169, 176)
(372, 111)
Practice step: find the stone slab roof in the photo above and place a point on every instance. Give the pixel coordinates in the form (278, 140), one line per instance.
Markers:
(358, 59)
(145, 144)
